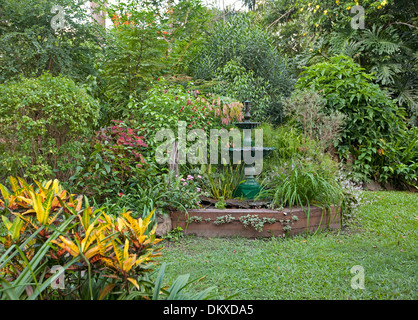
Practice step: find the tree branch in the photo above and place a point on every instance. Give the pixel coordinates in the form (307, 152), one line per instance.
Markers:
(277, 20)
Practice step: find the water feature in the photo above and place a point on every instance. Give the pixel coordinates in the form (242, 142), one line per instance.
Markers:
(250, 188)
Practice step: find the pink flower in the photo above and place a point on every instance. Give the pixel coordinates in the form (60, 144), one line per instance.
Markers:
(198, 189)
(184, 183)
(199, 176)
(182, 179)
(189, 177)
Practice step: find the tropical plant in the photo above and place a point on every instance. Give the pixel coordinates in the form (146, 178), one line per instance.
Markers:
(24, 270)
(370, 114)
(100, 256)
(38, 206)
(124, 245)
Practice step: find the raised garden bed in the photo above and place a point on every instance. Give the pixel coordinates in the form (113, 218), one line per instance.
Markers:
(256, 222)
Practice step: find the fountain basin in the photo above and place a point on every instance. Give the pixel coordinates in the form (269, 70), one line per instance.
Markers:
(247, 125)
(253, 150)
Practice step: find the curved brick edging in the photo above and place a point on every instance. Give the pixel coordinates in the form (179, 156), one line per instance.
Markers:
(236, 228)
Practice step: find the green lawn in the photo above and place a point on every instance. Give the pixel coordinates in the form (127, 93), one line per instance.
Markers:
(383, 241)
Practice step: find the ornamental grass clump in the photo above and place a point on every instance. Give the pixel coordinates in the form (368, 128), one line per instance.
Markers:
(305, 184)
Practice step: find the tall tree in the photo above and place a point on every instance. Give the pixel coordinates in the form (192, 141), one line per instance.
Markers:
(38, 36)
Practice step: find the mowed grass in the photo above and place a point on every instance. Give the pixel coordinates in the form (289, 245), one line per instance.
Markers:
(383, 240)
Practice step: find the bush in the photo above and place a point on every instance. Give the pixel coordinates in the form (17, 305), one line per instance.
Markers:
(306, 108)
(232, 80)
(114, 163)
(399, 160)
(240, 38)
(101, 256)
(370, 115)
(43, 124)
(166, 104)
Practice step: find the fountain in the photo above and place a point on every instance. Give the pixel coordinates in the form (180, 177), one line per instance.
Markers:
(250, 188)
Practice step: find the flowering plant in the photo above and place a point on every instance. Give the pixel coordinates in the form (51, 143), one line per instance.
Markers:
(165, 105)
(116, 161)
(186, 190)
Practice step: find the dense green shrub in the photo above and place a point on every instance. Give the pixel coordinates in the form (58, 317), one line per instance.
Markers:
(399, 160)
(30, 46)
(166, 104)
(115, 161)
(240, 38)
(306, 109)
(371, 116)
(232, 80)
(43, 124)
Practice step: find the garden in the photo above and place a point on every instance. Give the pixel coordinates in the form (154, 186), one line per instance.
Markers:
(177, 150)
